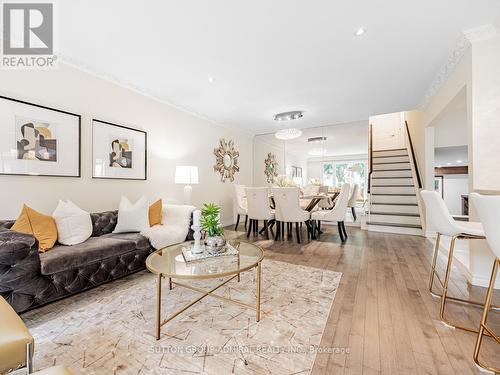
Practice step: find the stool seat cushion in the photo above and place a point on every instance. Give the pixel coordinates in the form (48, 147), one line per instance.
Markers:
(56, 370)
(14, 336)
(472, 228)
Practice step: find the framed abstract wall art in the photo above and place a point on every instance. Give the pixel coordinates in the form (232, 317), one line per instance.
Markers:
(118, 152)
(37, 140)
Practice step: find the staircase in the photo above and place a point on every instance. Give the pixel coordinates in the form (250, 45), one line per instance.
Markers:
(393, 200)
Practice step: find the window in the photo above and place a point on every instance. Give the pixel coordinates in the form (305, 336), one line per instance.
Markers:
(328, 177)
(352, 172)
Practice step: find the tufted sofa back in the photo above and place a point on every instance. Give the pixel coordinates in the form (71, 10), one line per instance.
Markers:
(103, 222)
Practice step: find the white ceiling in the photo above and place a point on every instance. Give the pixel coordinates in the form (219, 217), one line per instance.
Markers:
(450, 156)
(341, 140)
(271, 56)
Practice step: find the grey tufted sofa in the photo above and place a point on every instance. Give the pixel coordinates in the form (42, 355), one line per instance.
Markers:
(30, 279)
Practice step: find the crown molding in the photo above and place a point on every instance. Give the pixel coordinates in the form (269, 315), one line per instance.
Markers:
(481, 33)
(143, 92)
(445, 71)
(468, 38)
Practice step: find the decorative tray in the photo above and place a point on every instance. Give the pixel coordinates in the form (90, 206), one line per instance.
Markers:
(189, 256)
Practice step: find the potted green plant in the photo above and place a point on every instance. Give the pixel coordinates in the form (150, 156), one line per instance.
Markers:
(210, 222)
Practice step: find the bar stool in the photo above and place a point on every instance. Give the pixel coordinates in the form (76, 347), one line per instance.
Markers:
(488, 208)
(444, 224)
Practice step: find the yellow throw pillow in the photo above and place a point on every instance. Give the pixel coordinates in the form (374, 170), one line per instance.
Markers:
(155, 213)
(43, 227)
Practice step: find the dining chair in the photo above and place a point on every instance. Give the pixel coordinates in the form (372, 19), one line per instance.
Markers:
(353, 200)
(336, 214)
(259, 209)
(440, 220)
(487, 208)
(240, 203)
(288, 211)
(327, 203)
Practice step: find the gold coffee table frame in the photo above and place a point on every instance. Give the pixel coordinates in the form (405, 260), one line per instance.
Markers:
(169, 263)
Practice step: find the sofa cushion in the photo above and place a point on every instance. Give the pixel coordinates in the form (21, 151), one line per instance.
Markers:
(139, 240)
(93, 250)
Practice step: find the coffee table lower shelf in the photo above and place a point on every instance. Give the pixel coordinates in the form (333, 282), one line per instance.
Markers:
(160, 323)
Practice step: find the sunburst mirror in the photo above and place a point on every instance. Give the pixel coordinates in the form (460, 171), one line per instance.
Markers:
(271, 169)
(226, 160)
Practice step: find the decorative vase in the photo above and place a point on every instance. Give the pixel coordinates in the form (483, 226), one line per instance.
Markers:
(215, 244)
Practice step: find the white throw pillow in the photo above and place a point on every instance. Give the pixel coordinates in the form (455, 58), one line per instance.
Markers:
(132, 217)
(74, 225)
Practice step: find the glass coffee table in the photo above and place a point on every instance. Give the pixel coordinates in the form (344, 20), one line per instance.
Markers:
(169, 263)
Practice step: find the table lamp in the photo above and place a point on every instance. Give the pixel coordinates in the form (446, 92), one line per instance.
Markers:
(186, 175)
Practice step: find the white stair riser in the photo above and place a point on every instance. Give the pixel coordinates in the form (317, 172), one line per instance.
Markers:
(393, 219)
(393, 208)
(398, 230)
(392, 190)
(376, 199)
(377, 167)
(391, 159)
(402, 152)
(392, 181)
(391, 173)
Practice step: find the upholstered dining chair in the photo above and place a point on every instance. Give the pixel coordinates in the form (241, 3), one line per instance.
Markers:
(327, 203)
(488, 208)
(336, 214)
(240, 202)
(259, 209)
(440, 220)
(288, 211)
(353, 200)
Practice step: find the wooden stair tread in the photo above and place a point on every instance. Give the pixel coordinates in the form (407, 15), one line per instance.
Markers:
(395, 225)
(395, 204)
(394, 214)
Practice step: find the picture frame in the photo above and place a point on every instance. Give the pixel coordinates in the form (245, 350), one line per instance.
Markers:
(438, 185)
(38, 140)
(119, 152)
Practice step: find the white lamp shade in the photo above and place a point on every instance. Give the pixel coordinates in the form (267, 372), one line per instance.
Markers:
(186, 174)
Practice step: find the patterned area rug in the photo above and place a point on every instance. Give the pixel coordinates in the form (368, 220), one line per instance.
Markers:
(110, 329)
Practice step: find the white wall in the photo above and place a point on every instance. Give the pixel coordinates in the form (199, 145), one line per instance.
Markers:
(454, 186)
(174, 138)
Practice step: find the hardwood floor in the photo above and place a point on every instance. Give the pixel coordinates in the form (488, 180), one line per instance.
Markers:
(383, 313)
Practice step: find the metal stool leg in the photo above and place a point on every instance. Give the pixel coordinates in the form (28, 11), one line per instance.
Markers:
(482, 326)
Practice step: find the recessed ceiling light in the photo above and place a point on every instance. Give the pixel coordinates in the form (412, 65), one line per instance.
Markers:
(290, 133)
(287, 116)
(459, 161)
(439, 166)
(210, 79)
(448, 163)
(359, 31)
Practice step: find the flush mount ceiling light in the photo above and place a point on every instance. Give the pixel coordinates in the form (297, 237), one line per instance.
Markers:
(287, 134)
(288, 116)
(360, 31)
(316, 139)
(210, 79)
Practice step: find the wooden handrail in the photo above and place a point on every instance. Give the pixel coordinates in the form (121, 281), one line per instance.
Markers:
(370, 158)
(413, 156)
